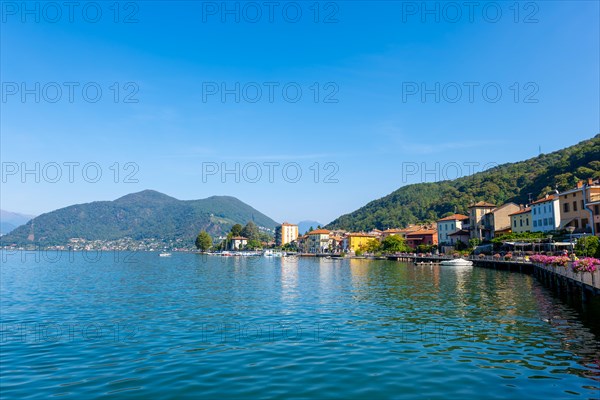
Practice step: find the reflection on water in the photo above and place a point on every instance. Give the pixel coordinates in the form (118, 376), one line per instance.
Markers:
(193, 325)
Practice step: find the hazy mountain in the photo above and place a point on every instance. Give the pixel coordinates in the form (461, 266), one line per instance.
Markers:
(10, 220)
(143, 215)
(508, 182)
(304, 226)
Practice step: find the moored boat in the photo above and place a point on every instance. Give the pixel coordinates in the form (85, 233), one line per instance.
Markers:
(457, 262)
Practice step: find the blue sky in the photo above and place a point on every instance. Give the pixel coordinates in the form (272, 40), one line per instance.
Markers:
(363, 121)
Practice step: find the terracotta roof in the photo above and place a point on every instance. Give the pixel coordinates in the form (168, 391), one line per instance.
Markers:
(454, 217)
(288, 224)
(524, 211)
(461, 232)
(549, 198)
(239, 238)
(482, 204)
(319, 232)
(424, 232)
(360, 235)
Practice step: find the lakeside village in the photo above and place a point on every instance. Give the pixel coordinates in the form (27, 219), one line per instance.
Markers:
(556, 229)
(560, 227)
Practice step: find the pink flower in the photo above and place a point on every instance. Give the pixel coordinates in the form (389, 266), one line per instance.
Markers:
(587, 264)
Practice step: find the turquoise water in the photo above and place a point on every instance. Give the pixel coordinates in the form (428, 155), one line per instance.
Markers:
(135, 325)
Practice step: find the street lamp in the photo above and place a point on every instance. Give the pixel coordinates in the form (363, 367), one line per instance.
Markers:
(571, 229)
(550, 241)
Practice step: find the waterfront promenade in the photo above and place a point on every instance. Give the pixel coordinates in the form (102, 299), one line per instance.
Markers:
(559, 278)
(562, 279)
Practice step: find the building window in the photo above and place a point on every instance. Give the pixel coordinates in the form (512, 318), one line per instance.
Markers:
(526, 221)
(576, 223)
(515, 223)
(584, 223)
(574, 206)
(535, 224)
(550, 221)
(597, 228)
(520, 222)
(582, 205)
(596, 209)
(566, 207)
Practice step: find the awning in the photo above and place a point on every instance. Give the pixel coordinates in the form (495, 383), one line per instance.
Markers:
(564, 223)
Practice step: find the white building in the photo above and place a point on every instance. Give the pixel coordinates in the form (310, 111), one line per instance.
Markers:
(449, 225)
(545, 214)
(318, 241)
(238, 243)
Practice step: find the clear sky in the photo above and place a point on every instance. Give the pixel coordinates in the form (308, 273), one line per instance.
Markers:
(371, 95)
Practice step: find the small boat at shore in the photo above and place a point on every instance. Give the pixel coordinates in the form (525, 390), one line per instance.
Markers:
(164, 254)
(271, 253)
(457, 262)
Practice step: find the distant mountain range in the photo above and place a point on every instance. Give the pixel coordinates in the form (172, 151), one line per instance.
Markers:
(144, 215)
(508, 182)
(304, 226)
(10, 220)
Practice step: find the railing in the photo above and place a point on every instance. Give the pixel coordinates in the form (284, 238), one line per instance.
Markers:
(586, 278)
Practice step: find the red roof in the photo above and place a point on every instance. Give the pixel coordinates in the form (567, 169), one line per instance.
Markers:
(239, 238)
(422, 232)
(461, 232)
(549, 198)
(454, 217)
(524, 211)
(319, 232)
(360, 235)
(482, 204)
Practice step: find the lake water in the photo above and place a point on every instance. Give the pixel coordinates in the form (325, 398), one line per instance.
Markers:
(136, 325)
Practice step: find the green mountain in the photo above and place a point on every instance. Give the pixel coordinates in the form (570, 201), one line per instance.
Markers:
(144, 215)
(508, 182)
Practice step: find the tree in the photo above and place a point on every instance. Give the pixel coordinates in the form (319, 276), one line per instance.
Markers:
(203, 241)
(236, 230)
(372, 246)
(588, 246)
(474, 243)
(250, 231)
(460, 245)
(426, 248)
(253, 244)
(394, 244)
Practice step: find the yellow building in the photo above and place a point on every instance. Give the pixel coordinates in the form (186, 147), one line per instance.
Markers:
(520, 221)
(477, 213)
(286, 233)
(358, 241)
(576, 207)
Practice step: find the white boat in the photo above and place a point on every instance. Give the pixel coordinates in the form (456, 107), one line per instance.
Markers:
(164, 254)
(271, 253)
(457, 262)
